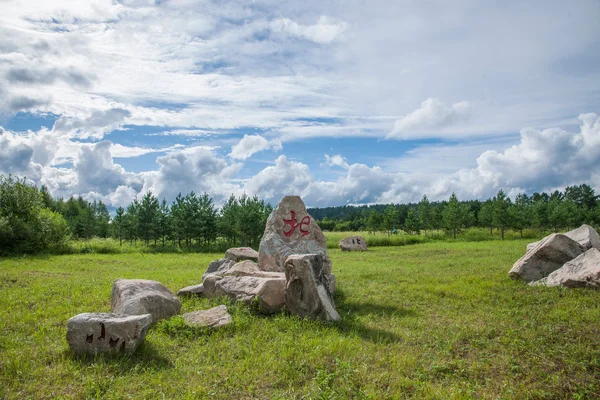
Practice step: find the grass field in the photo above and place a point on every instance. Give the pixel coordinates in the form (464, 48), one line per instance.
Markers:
(435, 320)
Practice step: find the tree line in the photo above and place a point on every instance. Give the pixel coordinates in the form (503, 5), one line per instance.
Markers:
(559, 210)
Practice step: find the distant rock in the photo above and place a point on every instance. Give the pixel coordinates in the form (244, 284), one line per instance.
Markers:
(291, 230)
(140, 296)
(238, 254)
(306, 292)
(193, 290)
(96, 333)
(583, 271)
(212, 318)
(353, 243)
(546, 257)
(585, 235)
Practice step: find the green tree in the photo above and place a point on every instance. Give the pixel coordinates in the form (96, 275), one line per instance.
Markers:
(425, 214)
(390, 219)
(486, 215)
(228, 217)
(148, 218)
(117, 224)
(412, 224)
(454, 215)
(501, 216)
(520, 213)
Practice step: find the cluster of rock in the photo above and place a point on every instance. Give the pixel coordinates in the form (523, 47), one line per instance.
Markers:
(568, 260)
(291, 270)
(353, 243)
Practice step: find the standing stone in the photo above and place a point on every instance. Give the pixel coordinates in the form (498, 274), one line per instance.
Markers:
(546, 257)
(212, 318)
(306, 292)
(238, 254)
(353, 243)
(291, 230)
(583, 271)
(95, 333)
(140, 296)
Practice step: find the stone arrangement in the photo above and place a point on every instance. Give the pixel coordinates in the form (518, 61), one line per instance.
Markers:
(292, 249)
(353, 243)
(568, 260)
(215, 317)
(140, 296)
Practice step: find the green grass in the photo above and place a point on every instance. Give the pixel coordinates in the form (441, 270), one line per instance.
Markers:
(431, 321)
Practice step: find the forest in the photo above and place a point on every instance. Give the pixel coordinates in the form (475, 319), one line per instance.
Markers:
(32, 221)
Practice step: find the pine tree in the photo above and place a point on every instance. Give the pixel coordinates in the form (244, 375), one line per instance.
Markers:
(454, 215)
(425, 213)
(501, 216)
(412, 224)
(521, 213)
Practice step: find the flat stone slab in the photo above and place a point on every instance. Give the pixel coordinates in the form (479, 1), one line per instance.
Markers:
(193, 290)
(353, 243)
(212, 318)
(581, 272)
(250, 268)
(95, 333)
(141, 296)
(238, 254)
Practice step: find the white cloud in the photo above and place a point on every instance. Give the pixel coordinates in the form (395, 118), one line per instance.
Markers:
(336, 160)
(252, 144)
(433, 114)
(326, 30)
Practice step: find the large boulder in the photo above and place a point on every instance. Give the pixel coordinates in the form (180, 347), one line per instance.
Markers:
(95, 333)
(212, 318)
(306, 292)
(546, 257)
(585, 235)
(219, 266)
(583, 271)
(140, 296)
(242, 253)
(353, 243)
(291, 230)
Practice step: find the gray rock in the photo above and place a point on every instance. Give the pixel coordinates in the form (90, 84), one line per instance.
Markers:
(193, 290)
(250, 268)
(306, 292)
(219, 266)
(212, 318)
(267, 293)
(585, 235)
(583, 271)
(242, 253)
(140, 296)
(291, 230)
(353, 243)
(546, 257)
(95, 333)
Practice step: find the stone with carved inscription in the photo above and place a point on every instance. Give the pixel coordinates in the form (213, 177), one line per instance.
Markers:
(141, 296)
(96, 333)
(291, 230)
(353, 243)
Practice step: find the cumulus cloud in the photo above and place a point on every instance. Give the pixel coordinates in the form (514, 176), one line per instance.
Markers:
(16, 157)
(326, 30)
(336, 161)
(252, 144)
(95, 125)
(433, 114)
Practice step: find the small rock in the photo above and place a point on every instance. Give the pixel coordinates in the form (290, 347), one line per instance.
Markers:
(353, 243)
(193, 290)
(583, 271)
(546, 257)
(242, 253)
(213, 318)
(95, 333)
(219, 266)
(306, 292)
(140, 296)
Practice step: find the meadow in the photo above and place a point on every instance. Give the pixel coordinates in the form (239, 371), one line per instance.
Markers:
(434, 320)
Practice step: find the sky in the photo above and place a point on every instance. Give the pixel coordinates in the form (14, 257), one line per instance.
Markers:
(340, 102)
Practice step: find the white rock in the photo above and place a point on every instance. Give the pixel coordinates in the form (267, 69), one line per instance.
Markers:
(353, 243)
(212, 318)
(583, 271)
(140, 296)
(242, 253)
(585, 235)
(95, 333)
(546, 257)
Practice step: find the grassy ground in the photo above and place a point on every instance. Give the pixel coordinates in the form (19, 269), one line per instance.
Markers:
(435, 320)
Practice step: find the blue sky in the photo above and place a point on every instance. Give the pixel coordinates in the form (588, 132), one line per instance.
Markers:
(339, 102)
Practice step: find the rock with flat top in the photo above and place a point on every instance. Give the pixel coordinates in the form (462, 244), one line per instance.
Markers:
(581, 272)
(238, 254)
(96, 333)
(353, 243)
(250, 268)
(546, 257)
(306, 292)
(141, 296)
(193, 290)
(212, 318)
(291, 230)
(585, 235)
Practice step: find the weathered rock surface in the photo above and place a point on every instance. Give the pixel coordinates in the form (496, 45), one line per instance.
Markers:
(242, 253)
(193, 290)
(291, 230)
(219, 266)
(546, 257)
(585, 235)
(140, 296)
(250, 268)
(267, 293)
(95, 333)
(353, 243)
(306, 292)
(212, 318)
(583, 271)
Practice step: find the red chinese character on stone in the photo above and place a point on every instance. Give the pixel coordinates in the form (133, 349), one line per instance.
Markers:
(293, 225)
